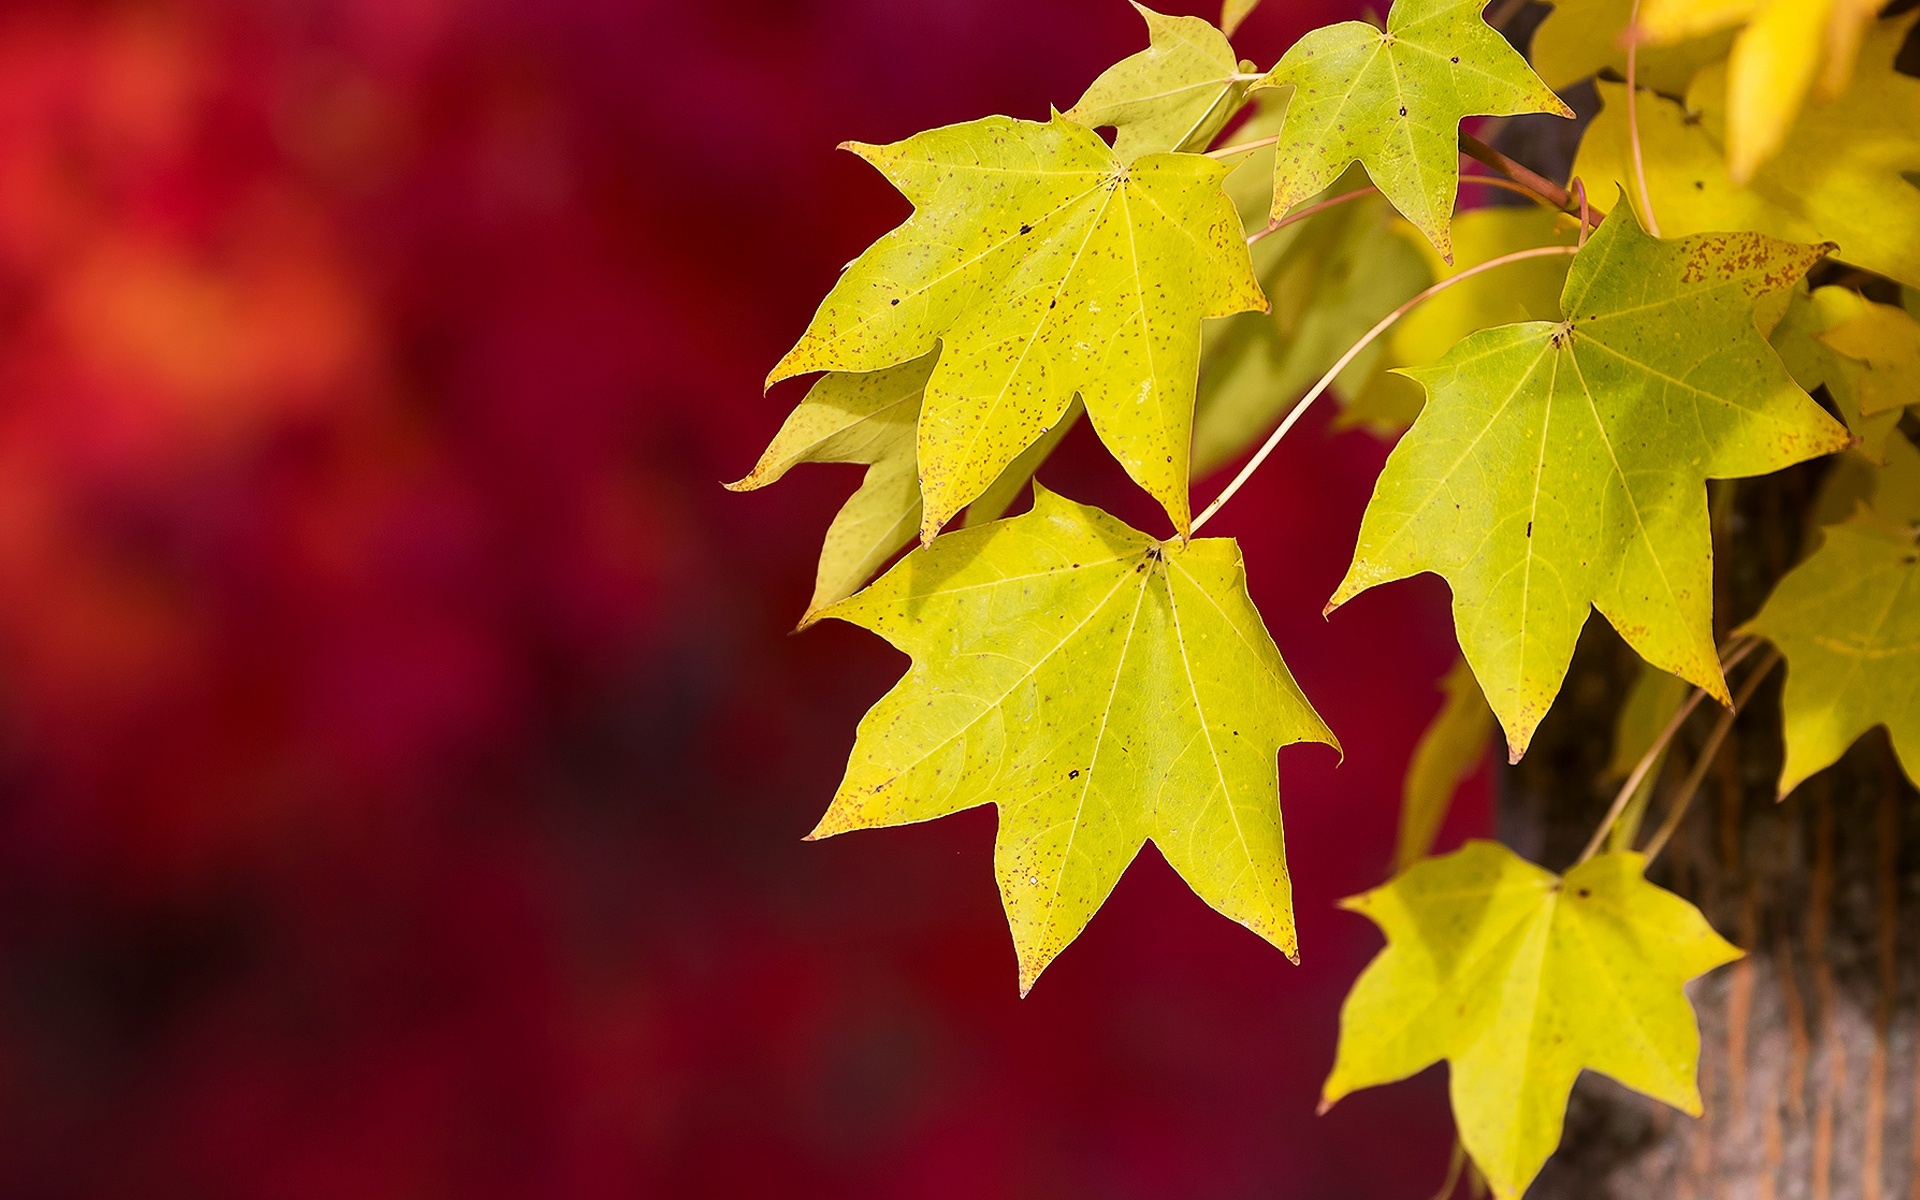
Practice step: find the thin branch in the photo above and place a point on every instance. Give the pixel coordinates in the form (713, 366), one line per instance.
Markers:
(1301, 214)
(1736, 650)
(1326, 381)
(1633, 124)
(1243, 147)
(1454, 1166)
(1532, 180)
(1707, 752)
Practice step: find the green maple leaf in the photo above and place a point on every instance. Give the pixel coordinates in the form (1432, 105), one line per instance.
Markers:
(1393, 101)
(1043, 266)
(1860, 393)
(1562, 465)
(1521, 979)
(1842, 175)
(1174, 95)
(1102, 689)
(1580, 38)
(1848, 621)
(870, 418)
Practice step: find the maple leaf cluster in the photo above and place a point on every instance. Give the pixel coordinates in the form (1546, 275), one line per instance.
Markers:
(1568, 381)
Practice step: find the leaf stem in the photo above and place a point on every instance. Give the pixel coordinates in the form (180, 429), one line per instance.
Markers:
(1301, 214)
(1736, 650)
(1712, 747)
(1243, 147)
(1633, 124)
(1333, 372)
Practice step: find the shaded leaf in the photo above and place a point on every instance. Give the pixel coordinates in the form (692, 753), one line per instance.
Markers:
(1783, 49)
(1840, 177)
(1559, 466)
(1102, 689)
(1043, 266)
(1800, 340)
(1881, 343)
(1450, 749)
(1651, 702)
(1848, 621)
(1580, 38)
(1521, 979)
(1174, 95)
(1393, 101)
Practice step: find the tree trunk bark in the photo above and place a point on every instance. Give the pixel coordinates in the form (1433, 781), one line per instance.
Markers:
(1808, 1044)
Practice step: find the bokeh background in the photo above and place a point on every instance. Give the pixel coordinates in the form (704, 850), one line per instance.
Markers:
(404, 754)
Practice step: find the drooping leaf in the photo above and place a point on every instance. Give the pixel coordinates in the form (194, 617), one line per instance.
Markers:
(1174, 95)
(1651, 702)
(1882, 345)
(1393, 101)
(870, 418)
(1102, 689)
(1452, 748)
(1562, 465)
(856, 418)
(1329, 279)
(1800, 340)
(1043, 266)
(1526, 291)
(1521, 979)
(1784, 47)
(1848, 621)
(1584, 37)
(1840, 177)
(1232, 12)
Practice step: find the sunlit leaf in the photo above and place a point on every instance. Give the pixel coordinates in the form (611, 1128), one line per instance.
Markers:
(1520, 979)
(1393, 101)
(1174, 95)
(1043, 266)
(1102, 689)
(1561, 466)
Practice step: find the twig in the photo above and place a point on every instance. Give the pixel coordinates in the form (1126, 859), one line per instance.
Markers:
(1326, 381)
(1736, 650)
(1243, 147)
(1678, 809)
(1301, 214)
(1505, 11)
(1532, 180)
(1633, 126)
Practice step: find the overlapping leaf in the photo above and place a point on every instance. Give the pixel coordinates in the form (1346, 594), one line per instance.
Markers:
(1848, 621)
(1043, 266)
(1520, 979)
(1393, 101)
(1562, 465)
(870, 418)
(1174, 95)
(1784, 47)
(1859, 392)
(1882, 342)
(1103, 689)
(1842, 175)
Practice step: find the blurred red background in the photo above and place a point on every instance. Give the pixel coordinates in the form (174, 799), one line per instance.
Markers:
(403, 753)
